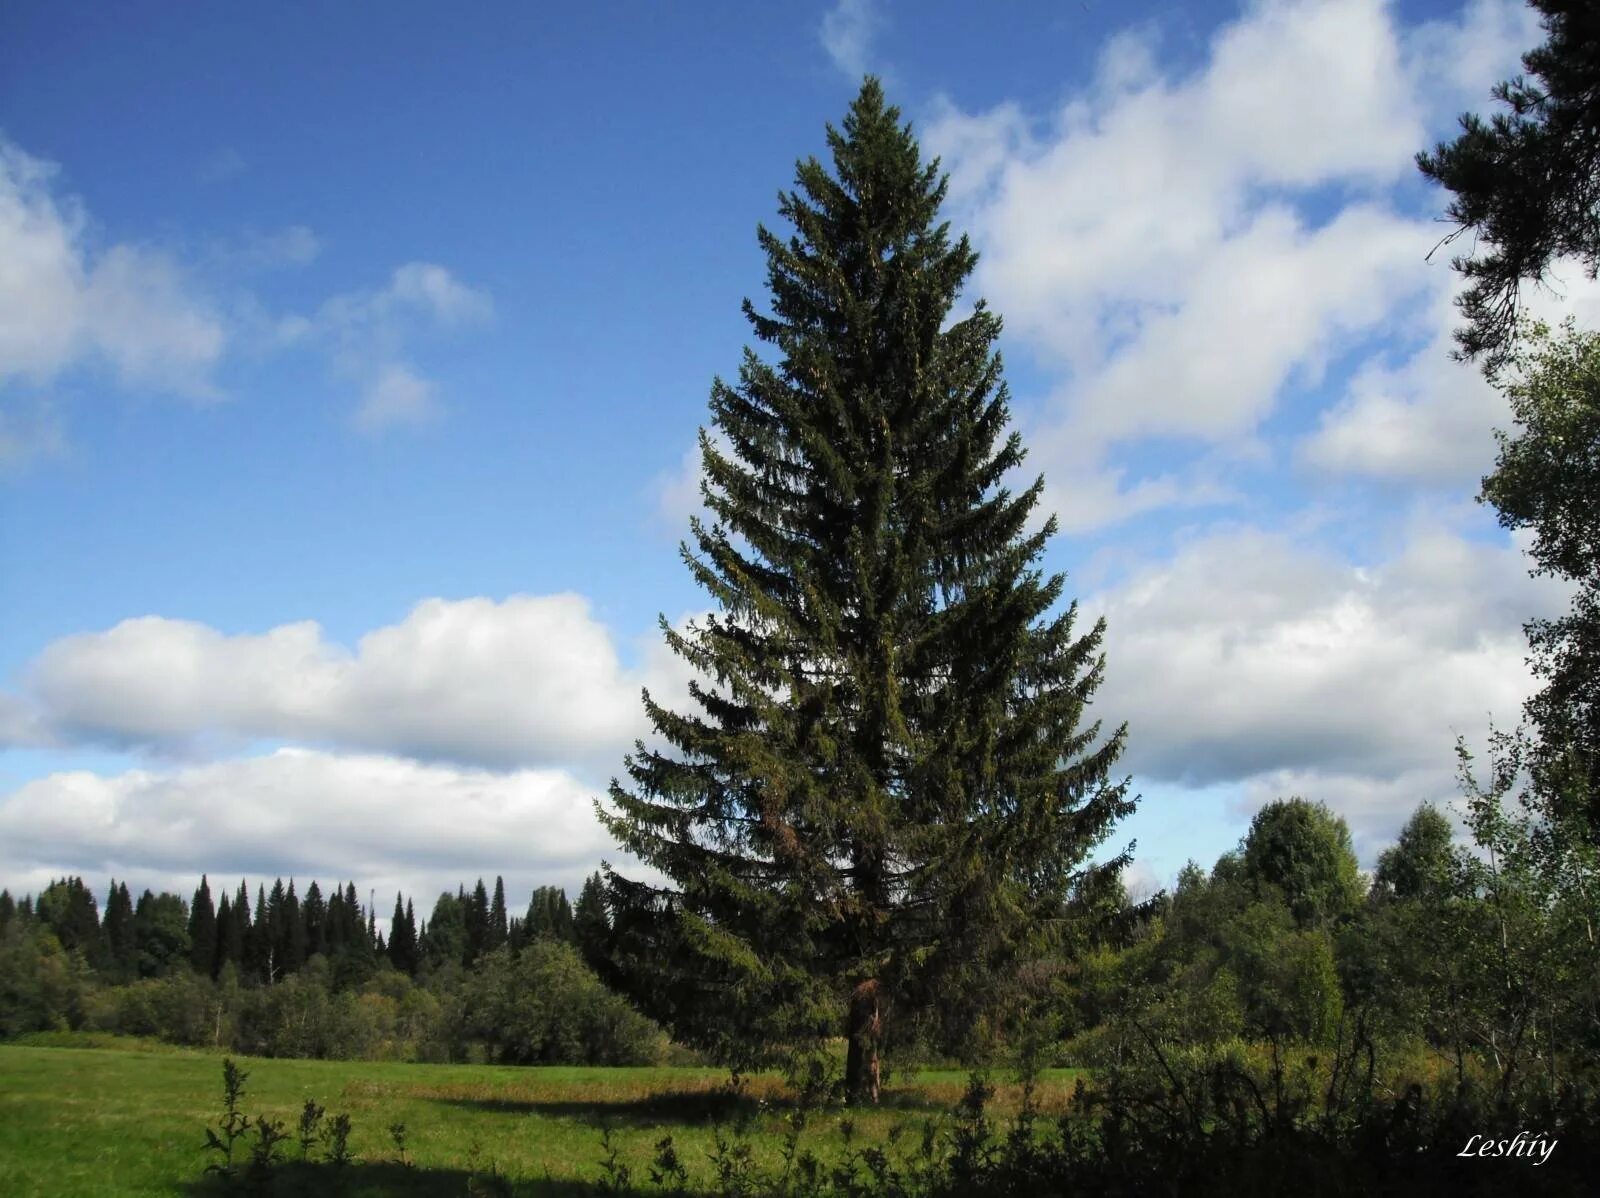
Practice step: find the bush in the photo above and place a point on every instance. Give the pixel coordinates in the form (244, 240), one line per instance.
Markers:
(545, 1006)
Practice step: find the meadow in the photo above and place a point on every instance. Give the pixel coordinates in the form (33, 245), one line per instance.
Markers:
(129, 1119)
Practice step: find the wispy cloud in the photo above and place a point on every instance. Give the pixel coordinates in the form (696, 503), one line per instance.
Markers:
(146, 318)
(226, 163)
(132, 309)
(848, 30)
(396, 396)
(291, 246)
(369, 336)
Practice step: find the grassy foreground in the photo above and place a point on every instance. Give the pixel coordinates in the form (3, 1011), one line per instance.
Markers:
(121, 1121)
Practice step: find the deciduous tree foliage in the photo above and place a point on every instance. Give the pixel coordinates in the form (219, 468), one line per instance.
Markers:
(69, 910)
(1420, 865)
(1303, 850)
(1526, 182)
(161, 931)
(889, 785)
(1547, 480)
(446, 942)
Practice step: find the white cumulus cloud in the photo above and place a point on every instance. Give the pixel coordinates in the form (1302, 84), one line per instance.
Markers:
(530, 680)
(385, 822)
(1255, 659)
(1188, 251)
(369, 334)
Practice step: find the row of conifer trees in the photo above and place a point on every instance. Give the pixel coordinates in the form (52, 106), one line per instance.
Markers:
(281, 930)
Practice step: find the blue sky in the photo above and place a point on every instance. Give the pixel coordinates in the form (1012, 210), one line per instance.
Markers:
(351, 362)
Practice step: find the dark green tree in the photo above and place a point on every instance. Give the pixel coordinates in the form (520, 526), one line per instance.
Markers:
(8, 909)
(258, 962)
(591, 925)
(402, 943)
(498, 928)
(292, 946)
(203, 930)
(314, 917)
(447, 934)
(240, 939)
(1303, 850)
(68, 908)
(122, 946)
(888, 790)
(277, 931)
(549, 915)
(344, 921)
(1526, 182)
(161, 930)
(230, 947)
(413, 941)
(477, 914)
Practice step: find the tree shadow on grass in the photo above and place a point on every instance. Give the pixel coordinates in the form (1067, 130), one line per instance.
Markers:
(687, 1107)
(391, 1178)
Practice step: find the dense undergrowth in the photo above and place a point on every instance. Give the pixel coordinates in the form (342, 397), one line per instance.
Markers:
(1219, 1126)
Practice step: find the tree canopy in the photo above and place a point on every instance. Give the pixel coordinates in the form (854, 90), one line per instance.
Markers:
(1303, 850)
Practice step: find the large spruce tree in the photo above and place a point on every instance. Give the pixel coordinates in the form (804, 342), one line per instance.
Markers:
(888, 790)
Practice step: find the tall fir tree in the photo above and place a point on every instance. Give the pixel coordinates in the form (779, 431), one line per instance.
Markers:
(888, 792)
(277, 931)
(122, 947)
(591, 928)
(258, 941)
(241, 928)
(477, 922)
(314, 916)
(230, 950)
(294, 931)
(202, 929)
(498, 930)
(402, 942)
(413, 941)
(549, 916)
(338, 932)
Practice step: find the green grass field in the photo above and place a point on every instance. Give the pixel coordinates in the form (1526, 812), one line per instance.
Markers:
(129, 1121)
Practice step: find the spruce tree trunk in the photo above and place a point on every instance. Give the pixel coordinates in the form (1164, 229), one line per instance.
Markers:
(865, 1032)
